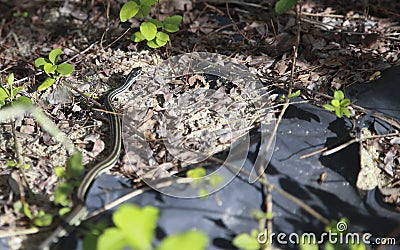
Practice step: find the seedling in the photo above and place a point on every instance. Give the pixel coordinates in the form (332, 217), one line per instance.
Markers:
(339, 104)
(41, 219)
(71, 174)
(8, 93)
(52, 69)
(154, 30)
(214, 180)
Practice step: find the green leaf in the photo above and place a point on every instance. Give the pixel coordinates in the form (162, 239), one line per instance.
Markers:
(113, 238)
(203, 193)
(148, 2)
(171, 24)
(74, 166)
(149, 30)
(339, 112)
(283, 6)
(329, 107)
(10, 79)
(345, 102)
(153, 44)
(245, 241)
(156, 22)
(11, 164)
(26, 211)
(346, 112)
(46, 83)
(54, 55)
(49, 68)
(193, 240)
(42, 219)
(63, 211)
(196, 173)
(60, 172)
(22, 100)
(335, 103)
(40, 62)
(215, 180)
(137, 223)
(128, 10)
(61, 194)
(138, 37)
(338, 95)
(162, 38)
(295, 94)
(14, 91)
(4, 93)
(65, 68)
(307, 243)
(143, 11)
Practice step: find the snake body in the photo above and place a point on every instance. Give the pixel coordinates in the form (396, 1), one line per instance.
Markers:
(80, 210)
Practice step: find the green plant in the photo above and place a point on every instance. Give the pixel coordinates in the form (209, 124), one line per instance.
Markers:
(283, 6)
(52, 69)
(40, 219)
(71, 173)
(135, 228)
(197, 173)
(153, 30)
(339, 104)
(8, 93)
(291, 96)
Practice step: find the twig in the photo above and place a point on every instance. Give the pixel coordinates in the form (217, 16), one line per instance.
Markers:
(20, 160)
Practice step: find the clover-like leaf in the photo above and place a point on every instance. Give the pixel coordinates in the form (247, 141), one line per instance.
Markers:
(283, 6)
(54, 55)
(46, 83)
(194, 240)
(149, 30)
(138, 222)
(42, 219)
(153, 44)
(329, 107)
(143, 11)
(128, 10)
(112, 238)
(339, 112)
(345, 102)
(157, 22)
(65, 69)
(138, 37)
(49, 68)
(171, 24)
(162, 38)
(346, 112)
(335, 103)
(41, 62)
(196, 173)
(338, 95)
(246, 242)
